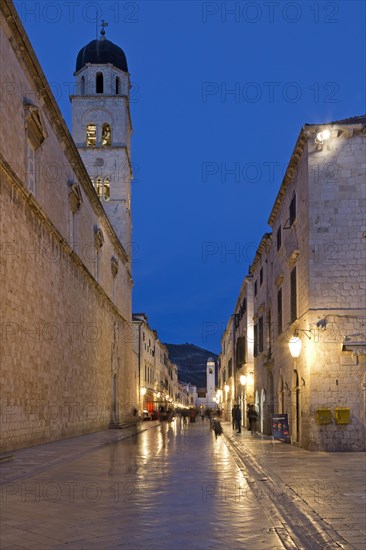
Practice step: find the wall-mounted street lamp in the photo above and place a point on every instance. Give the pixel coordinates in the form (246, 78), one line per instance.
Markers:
(243, 379)
(227, 389)
(143, 391)
(295, 343)
(322, 136)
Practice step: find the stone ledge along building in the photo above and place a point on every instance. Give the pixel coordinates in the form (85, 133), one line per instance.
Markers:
(306, 294)
(66, 284)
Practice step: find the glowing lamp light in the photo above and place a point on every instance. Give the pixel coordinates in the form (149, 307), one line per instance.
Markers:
(227, 388)
(243, 380)
(322, 136)
(143, 391)
(295, 346)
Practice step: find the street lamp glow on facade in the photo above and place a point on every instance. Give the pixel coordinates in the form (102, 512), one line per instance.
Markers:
(322, 136)
(243, 379)
(295, 345)
(143, 391)
(227, 389)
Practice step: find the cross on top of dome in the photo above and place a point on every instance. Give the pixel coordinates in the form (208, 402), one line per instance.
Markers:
(102, 30)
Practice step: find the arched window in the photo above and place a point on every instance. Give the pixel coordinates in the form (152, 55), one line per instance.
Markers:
(107, 189)
(118, 85)
(106, 135)
(99, 83)
(82, 85)
(91, 135)
(102, 187)
(99, 188)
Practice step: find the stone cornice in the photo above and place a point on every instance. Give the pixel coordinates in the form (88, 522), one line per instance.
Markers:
(267, 237)
(42, 215)
(243, 291)
(32, 66)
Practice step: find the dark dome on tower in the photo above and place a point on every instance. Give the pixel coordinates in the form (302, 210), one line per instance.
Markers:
(101, 52)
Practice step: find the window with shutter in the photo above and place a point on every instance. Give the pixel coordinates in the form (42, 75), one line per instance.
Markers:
(293, 312)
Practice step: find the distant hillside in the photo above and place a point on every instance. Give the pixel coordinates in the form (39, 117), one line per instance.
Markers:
(192, 362)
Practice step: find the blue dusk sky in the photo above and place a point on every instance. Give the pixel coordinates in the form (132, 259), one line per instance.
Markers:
(220, 93)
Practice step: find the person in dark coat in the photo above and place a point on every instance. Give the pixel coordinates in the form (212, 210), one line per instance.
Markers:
(217, 428)
(253, 416)
(233, 416)
(238, 419)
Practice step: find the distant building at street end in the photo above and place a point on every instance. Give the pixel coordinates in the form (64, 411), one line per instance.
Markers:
(306, 293)
(207, 396)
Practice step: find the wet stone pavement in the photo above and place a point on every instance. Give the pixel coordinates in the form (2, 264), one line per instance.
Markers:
(175, 487)
(170, 487)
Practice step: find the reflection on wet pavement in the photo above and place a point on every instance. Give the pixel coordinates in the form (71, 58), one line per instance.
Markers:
(170, 487)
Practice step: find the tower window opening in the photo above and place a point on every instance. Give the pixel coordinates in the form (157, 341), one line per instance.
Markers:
(91, 135)
(107, 189)
(118, 85)
(99, 187)
(82, 85)
(102, 187)
(106, 135)
(99, 83)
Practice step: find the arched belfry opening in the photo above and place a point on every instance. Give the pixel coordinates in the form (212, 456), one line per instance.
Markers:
(106, 135)
(99, 83)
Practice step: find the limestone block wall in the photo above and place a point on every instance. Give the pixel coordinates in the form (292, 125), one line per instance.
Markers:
(66, 343)
(62, 340)
(337, 287)
(337, 223)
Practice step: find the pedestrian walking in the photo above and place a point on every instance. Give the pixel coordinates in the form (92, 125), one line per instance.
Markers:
(249, 406)
(238, 419)
(233, 416)
(253, 416)
(217, 428)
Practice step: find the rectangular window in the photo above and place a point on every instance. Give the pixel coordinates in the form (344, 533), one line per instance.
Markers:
(293, 313)
(279, 311)
(279, 238)
(261, 276)
(255, 346)
(260, 334)
(293, 209)
(230, 367)
(240, 351)
(255, 288)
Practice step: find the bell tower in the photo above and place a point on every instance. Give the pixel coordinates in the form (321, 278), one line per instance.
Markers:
(210, 381)
(101, 128)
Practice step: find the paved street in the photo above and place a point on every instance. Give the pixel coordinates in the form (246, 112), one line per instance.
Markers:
(174, 487)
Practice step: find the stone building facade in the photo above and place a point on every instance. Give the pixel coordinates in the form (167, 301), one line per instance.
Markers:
(308, 279)
(66, 346)
(157, 376)
(236, 366)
